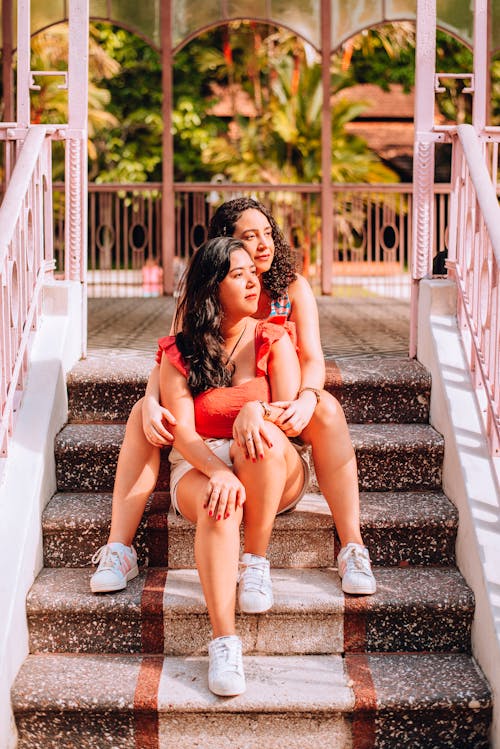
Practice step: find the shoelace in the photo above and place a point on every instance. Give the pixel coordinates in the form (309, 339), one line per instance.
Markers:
(255, 578)
(227, 653)
(106, 558)
(356, 559)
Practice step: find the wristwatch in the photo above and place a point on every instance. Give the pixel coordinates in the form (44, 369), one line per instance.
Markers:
(266, 408)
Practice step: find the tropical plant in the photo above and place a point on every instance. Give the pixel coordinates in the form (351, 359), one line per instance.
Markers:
(283, 142)
(49, 104)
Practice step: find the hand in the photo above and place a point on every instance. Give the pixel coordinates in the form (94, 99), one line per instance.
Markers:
(250, 431)
(154, 417)
(296, 415)
(225, 493)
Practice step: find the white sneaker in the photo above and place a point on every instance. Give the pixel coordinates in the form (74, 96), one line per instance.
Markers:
(117, 565)
(355, 570)
(255, 592)
(225, 669)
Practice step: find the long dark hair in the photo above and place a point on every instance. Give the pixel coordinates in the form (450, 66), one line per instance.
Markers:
(283, 268)
(199, 316)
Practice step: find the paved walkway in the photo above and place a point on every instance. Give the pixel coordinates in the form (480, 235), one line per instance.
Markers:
(350, 325)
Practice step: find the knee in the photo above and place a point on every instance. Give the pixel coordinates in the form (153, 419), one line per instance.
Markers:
(328, 412)
(135, 415)
(223, 528)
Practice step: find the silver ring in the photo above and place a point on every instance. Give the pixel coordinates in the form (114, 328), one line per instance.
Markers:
(250, 439)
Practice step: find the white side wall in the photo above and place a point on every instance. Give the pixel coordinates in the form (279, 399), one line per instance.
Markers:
(28, 480)
(470, 475)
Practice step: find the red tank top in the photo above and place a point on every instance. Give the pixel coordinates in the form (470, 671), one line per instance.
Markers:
(216, 409)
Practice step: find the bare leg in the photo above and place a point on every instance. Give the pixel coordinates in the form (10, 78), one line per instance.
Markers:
(216, 550)
(271, 484)
(136, 476)
(335, 464)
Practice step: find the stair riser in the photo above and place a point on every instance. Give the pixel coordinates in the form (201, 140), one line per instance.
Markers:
(159, 546)
(127, 631)
(183, 731)
(254, 730)
(449, 728)
(79, 468)
(85, 730)
(112, 401)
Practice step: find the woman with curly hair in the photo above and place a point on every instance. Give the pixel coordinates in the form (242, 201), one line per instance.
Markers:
(314, 415)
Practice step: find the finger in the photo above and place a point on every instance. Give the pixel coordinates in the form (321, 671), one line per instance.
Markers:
(266, 436)
(213, 500)
(168, 416)
(240, 497)
(285, 416)
(222, 503)
(250, 446)
(162, 434)
(259, 447)
(229, 508)
(281, 404)
(161, 429)
(239, 438)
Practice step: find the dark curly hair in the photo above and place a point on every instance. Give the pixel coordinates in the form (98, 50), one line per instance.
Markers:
(283, 268)
(199, 316)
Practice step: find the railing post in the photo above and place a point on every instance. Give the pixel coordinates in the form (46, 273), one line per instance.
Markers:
(326, 152)
(168, 196)
(7, 73)
(76, 151)
(423, 155)
(23, 114)
(481, 65)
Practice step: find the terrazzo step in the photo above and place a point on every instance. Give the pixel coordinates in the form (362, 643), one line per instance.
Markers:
(417, 528)
(399, 528)
(414, 609)
(370, 388)
(391, 700)
(390, 457)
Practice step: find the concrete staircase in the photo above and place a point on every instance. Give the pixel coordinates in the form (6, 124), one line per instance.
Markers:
(128, 670)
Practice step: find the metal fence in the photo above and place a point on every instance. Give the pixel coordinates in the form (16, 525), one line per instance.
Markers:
(371, 238)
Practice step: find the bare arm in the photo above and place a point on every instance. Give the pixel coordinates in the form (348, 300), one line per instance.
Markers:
(154, 415)
(224, 490)
(305, 316)
(284, 379)
(298, 413)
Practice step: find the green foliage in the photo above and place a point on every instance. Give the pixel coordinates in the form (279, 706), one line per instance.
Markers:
(382, 56)
(131, 151)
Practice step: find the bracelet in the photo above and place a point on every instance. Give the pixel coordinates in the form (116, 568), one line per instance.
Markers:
(266, 408)
(316, 392)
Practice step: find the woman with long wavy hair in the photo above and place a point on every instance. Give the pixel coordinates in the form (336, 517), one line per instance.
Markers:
(229, 460)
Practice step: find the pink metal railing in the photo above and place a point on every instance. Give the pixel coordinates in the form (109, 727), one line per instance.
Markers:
(474, 261)
(25, 260)
(372, 229)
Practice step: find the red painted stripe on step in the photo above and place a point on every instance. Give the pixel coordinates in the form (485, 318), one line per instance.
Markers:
(157, 529)
(146, 732)
(333, 374)
(152, 635)
(365, 705)
(355, 615)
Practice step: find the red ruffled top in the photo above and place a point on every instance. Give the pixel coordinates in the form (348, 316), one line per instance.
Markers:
(216, 409)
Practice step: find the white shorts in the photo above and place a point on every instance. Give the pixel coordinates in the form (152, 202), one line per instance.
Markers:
(221, 447)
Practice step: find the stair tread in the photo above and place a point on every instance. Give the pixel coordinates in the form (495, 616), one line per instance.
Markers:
(79, 509)
(383, 436)
(398, 527)
(359, 369)
(295, 590)
(295, 684)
